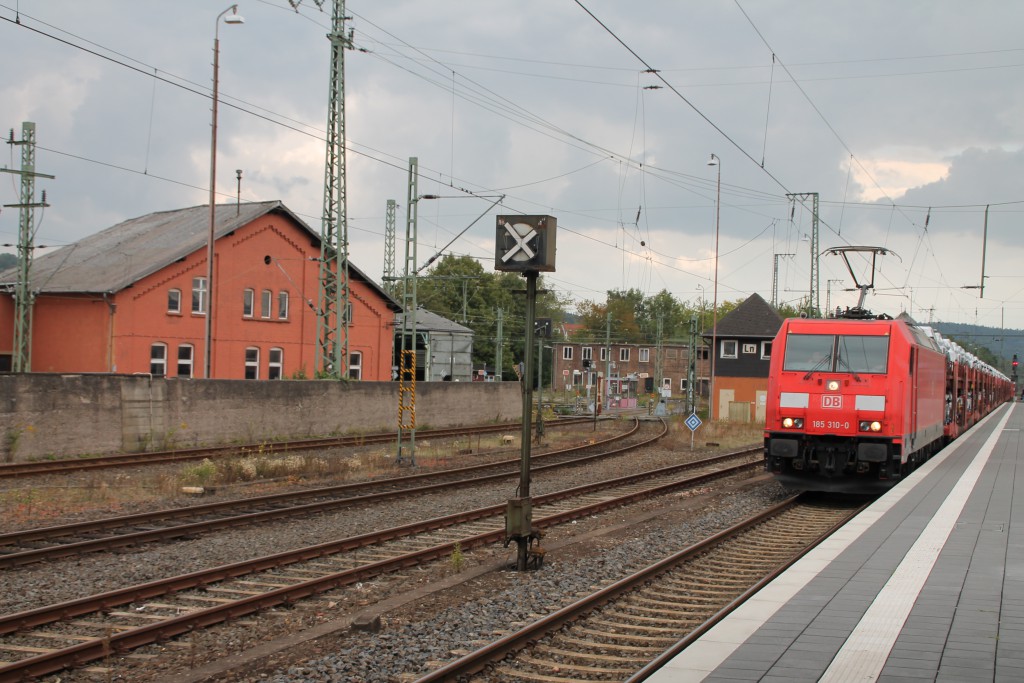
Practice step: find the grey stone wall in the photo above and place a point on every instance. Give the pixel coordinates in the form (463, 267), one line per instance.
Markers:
(43, 415)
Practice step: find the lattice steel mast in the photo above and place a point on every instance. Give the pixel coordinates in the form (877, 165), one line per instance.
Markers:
(389, 247)
(333, 308)
(23, 295)
(814, 300)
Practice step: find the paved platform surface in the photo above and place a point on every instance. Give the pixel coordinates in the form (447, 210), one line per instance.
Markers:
(925, 585)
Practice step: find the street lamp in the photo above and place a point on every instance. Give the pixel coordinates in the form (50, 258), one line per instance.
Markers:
(715, 161)
(232, 18)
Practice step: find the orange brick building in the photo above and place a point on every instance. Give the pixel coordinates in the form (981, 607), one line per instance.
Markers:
(133, 299)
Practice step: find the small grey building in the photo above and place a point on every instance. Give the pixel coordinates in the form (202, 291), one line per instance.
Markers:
(444, 348)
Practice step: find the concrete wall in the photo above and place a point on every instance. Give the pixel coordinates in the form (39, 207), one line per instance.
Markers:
(44, 415)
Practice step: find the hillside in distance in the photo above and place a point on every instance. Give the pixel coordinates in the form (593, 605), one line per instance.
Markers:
(1001, 343)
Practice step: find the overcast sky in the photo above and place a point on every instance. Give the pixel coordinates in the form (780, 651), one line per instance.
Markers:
(905, 117)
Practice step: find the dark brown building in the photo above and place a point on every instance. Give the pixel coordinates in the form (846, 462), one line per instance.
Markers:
(744, 339)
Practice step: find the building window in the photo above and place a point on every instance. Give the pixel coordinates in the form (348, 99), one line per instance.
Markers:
(566, 353)
(645, 356)
(199, 295)
(702, 353)
(158, 359)
(282, 305)
(248, 302)
(587, 353)
(749, 348)
(682, 384)
(348, 313)
(728, 348)
(252, 363)
(266, 298)
(355, 365)
(766, 350)
(185, 353)
(577, 378)
(275, 364)
(174, 301)
(624, 355)
(604, 354)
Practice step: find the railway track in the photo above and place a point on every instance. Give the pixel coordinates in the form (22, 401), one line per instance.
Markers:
(49, 543)
(66, 465)
(40, 641)
(626, 630)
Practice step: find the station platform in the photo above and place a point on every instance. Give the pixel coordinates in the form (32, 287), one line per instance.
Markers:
(927, 584)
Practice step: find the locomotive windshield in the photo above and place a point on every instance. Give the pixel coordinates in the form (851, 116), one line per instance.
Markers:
(809, 352)
(863, 354)
(831, 353)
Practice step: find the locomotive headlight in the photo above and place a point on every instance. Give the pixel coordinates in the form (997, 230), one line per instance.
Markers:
(876, 426)
(793, 422)
(787, 422)
(870, 426)
(833, 385)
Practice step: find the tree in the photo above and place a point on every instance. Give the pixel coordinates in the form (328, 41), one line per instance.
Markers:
(458, 288)
(673, 315)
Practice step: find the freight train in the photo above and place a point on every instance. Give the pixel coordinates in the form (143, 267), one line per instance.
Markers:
(856, 402)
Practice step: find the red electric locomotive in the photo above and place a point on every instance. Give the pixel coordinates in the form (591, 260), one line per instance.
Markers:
(856, 403)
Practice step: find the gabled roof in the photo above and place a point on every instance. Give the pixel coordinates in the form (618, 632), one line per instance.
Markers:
(432, 322)
(753, 318)
(120, 256)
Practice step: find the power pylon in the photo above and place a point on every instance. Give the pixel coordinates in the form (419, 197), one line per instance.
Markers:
(23, 295)
(814, 301)
(389, 247)
(333, 310)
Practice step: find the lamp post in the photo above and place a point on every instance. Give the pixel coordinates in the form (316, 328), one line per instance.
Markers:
(232, 18)
(715, 161)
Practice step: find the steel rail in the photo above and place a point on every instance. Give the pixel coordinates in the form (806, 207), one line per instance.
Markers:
(478, 660)
(37, 467)
(19, 558)
(89, 651)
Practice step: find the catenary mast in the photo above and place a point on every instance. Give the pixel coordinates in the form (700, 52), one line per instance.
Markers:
(333, 303)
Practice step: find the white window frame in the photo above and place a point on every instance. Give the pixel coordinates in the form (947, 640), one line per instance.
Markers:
(604, 354)
(174, 301)
(199, 296)
(722, 353)
(644, 356)
(766, 350)
(158, 361)
(282, 305)
(248, 302)
(587, 353)
(187, 363)
(355, 365)
(252, 363)
(266, 303)
(566, 353)
(682, 384)
(275, 363)
(624, 354)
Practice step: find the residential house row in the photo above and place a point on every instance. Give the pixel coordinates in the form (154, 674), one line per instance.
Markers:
(742, 342)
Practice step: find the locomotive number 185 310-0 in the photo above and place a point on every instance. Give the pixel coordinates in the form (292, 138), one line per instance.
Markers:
(829, 424)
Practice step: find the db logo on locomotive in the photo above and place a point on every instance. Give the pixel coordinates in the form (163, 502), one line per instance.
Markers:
(830, 401)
